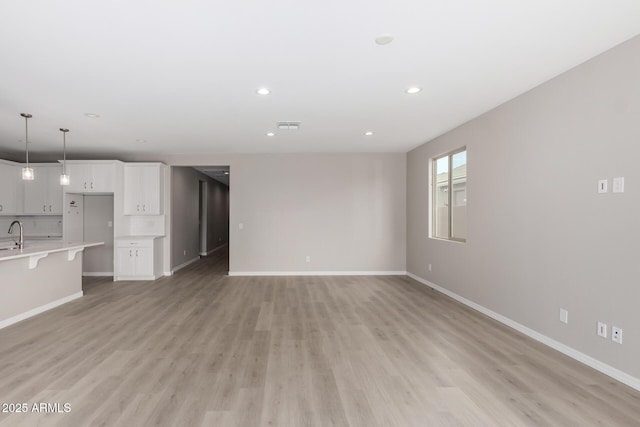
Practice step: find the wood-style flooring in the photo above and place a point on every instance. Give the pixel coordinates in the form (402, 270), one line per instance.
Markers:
(201, 348)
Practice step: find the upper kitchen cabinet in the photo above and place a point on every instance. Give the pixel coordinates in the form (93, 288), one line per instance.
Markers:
(143, 189)
(90, 176)
(9, 177)
(43, 195)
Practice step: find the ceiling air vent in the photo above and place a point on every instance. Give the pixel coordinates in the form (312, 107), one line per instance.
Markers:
(288, 125)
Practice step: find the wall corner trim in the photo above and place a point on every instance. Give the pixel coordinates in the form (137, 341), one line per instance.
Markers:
(608, 370)
(317, 273)
(22, 316)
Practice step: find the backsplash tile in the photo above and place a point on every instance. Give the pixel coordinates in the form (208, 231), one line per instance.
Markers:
(34, 226)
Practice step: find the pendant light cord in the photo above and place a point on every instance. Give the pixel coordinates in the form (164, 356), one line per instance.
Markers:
(64, 153)
(26, 138)
(64, 150)
(26, 116)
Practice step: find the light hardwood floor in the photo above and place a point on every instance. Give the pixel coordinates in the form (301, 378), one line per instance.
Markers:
(200, 348)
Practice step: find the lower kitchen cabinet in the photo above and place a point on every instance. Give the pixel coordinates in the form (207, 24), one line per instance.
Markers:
(138, 258)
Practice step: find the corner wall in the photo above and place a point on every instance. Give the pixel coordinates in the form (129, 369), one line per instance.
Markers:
(540, 237)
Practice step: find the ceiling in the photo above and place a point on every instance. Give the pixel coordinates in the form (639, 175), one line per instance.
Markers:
(181, 76)
(219, 173)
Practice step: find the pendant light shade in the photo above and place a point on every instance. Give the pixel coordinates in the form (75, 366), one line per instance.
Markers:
(27, 172)
(64, 178)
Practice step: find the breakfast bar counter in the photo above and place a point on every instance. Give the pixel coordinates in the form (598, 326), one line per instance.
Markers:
(39, 277)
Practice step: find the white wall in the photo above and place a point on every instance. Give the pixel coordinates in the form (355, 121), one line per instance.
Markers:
(347, 212)
(540, 238)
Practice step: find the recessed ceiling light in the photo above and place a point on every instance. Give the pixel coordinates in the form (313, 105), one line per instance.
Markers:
(92, 115)
(383, 39)
(226, 172)
(368, 133)
(263, 91)
(271, 134)
(413, 89)
(143, 141)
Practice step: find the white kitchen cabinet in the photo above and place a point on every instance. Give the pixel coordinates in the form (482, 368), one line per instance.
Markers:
(10, 183)
(43, 194)
(138, 258)
(90, 177)
(143, 189)
(133, 262)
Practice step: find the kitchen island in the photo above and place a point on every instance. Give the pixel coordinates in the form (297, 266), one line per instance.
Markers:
(39, 277)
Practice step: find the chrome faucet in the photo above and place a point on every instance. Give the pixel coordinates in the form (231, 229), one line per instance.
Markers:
(20, 241)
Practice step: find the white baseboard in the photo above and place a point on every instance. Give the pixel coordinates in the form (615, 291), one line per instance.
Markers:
(183, 265)
(317, 273)
(38, 310)
(614, 373)
(130, 278)
(98, 274)
(213, 250)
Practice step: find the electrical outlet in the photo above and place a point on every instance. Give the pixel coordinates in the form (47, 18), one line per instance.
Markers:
(564, 316)
(602, 329)
(616, 334)
(618, 184)
(308, 258)
(429, 267)
(184, 252)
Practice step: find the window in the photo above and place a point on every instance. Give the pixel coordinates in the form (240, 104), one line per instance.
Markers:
(449, 196)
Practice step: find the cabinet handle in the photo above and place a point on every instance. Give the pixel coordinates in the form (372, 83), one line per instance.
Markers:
(44, 208)
(144, 208)
(92, 185)
(136, 252)
(130, 252)
(138, 208)
(85, 185)
(1, 209)
(49, 208)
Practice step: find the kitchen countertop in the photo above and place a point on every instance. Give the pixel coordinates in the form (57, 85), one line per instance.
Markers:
(43, 248)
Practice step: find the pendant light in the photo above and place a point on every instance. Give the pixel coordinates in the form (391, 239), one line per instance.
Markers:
(64, 178)
(27, 172)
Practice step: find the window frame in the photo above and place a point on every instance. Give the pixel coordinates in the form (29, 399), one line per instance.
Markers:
(432, 188)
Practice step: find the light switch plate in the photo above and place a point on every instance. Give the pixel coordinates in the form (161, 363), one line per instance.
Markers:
(602, 329)
(602, 185)
(564, 316)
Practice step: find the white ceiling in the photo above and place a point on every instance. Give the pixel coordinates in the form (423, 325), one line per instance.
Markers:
(182, 75)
